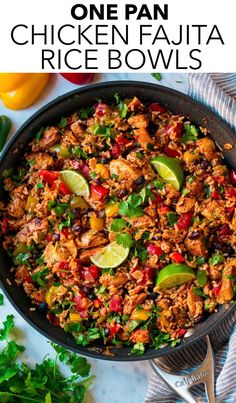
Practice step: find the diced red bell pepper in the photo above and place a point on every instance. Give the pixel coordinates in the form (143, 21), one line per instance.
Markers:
(219, 179)
(63, 189)
(69, 120)
(64, 265)
(177, 257)
(115, 303)
(49, 176)
(184, 221)
(95, 271)
(114, 329)
(27, 279)
(87, 276)
(65, 232)
(4, 225)
(230, 211)
(122, 141)
(154, 250)
(116, 151)
(101, 109)
(232, 176)
(81, 304)
(216, 289)
(181, 333)
(215, 195)
(147, 275)
(231, 193)
(171, 152)
(224, 231)
(99, 192)
(176, 129)
(162, 210)
(158, 198)
(53, 319)
(155, 107)
(48, 237)
(97, 303)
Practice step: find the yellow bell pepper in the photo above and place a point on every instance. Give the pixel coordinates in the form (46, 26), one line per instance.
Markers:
(52, 293)
(20, 90)
(96, 223)
(102, 171)
(140, 314)
(111, 209)
(75, 317)
(31, 203)
(189, 157)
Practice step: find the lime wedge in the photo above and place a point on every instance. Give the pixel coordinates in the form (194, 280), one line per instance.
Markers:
(169, 169)
(75, 182)
(174, 274)
(111, 256)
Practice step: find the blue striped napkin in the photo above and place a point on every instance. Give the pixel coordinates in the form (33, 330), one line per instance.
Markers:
(217, 91)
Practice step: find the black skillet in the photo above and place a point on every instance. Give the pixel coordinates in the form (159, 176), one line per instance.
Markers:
(52, 113)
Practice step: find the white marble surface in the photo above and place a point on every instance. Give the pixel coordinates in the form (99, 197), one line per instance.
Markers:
(115, 382)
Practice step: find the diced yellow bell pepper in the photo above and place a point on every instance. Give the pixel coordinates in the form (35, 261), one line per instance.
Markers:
(61, 150)
(111, 209)
(20, 90)
(140, 314)
(189, 157)
(52, 294)
(79, 202)
(31, 203)
(75, 317)
(96, 223)
(21, 248)
(102, 171)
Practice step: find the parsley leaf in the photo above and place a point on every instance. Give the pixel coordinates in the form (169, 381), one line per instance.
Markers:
(1, 299)
(8, 324)
(125, 240)
(132, 207)
(216, 259)
(157, 76)
(191, 134)
(118, 224)
(76, 363)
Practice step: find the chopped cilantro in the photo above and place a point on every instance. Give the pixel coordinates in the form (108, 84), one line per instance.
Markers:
(157, 76)
(39, 277)
(108, 270)
(8, 325)
(140, 155)
(215, 259)
(199, 260)
(114, 176)
(125, 240)
(118, 224)
(62, 123)
(51, 204)
(60, 209)
(80, 153)
(22, 258)
(138, 349)
(172, 217)
(185, 192)
(67, 222)
(190, 134)
(158, 184)
(104, 131)
(85, 113)
(201, 277)
(123, 108)
(140, 251)
(132, 207)
(39, 185)
(1, 299)
(199, 291)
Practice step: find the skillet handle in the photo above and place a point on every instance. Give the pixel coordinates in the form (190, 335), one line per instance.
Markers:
(182, 383)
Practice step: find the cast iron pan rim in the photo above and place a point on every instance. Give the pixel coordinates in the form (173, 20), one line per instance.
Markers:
(115, 84)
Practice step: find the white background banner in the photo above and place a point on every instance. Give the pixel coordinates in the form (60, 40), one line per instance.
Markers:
(171, 35)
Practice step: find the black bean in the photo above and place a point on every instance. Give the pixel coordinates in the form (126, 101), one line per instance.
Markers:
(43, 307)
(204, 164)
(106, 331)
(86, 290)
(92, 296)
(122, 193)
(153, 295)
(56, 237)
(76, 212)
(152, 128)
(194, 235)
(140, 180)
(105, 160)
(76, 227)
(98, 181)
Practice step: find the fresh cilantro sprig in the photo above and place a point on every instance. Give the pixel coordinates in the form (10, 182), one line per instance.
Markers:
(216, 258)
(118, 224)
(157, 76)
(123, 108)
(125, 240)
(44, 383)
(132, 207)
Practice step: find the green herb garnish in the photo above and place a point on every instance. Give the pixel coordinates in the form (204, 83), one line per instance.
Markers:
(132, 207)
(190, 134)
